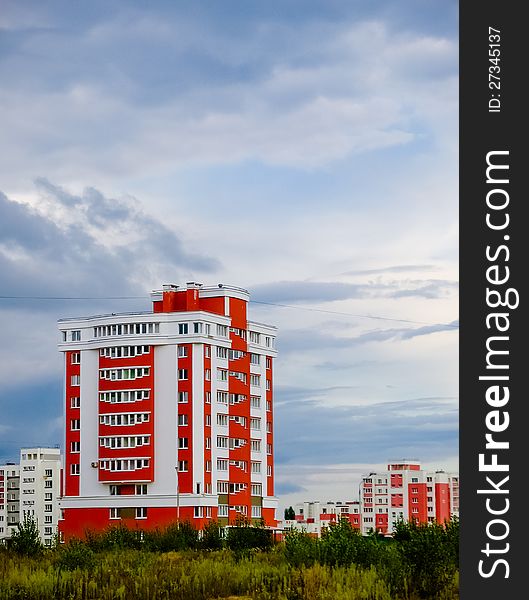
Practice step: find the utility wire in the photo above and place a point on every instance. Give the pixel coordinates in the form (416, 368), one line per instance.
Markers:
(306, 308)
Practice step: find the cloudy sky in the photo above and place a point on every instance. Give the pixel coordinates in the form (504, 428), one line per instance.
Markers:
(306, 151)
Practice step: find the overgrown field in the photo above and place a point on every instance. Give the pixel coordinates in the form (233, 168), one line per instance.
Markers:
(420, 562)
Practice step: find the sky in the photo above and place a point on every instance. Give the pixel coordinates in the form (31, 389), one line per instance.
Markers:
(306, 151)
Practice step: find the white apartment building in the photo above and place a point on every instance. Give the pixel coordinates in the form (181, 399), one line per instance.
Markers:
(31, 488)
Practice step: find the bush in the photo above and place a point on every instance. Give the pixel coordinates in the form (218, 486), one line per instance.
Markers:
(75, 555)
(211, 537)
(430, 552)
(300, 548)
(26, 539)
(243, 536)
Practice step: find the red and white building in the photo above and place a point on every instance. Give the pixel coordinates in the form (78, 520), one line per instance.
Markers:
(406, 492)
(403, 492)
(169, 413)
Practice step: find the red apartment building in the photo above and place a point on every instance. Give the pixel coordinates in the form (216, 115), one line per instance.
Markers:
(169, 413)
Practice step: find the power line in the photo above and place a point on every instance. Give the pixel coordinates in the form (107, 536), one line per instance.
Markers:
(291, 306)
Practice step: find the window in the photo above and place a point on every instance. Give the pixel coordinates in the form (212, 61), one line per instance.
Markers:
(48, 508)
(48, 484)
(207, 397)
(268, 341)
(182, 374)
(255, 337)
(207, 328)
(207, 351)
(207, 374)
(48, 530)
(255, 379)
(222, 352)
(76, 358)
(238, 375)
(222, 330)
(257, 489)
(197, 327)
(115, 513)
(269, 448)
(208, 467)
(183, 397)
(198, 512)
(222, 464)
(268, 362)
(222, 487)
(183, 328)
(255, 401)
(207, 420)
(222, 441)
(255, 423)
(48, 473)
(255, 359)
(222, 374)
(75, 402)
(74, 470)
(48, 496)
(48, 519)
(268, 405)
(222, 419)
(269, 470)
(222, 397)
(255, 467)
(222, 510)
(141, 512)
(183, 443)
(268, 385)
(75, 380)
(256, 511)
(141, 489)
(268, 427)
(76, 335)
(182, 351)
(255, 445)
(182, 419)
(75, 424)
(183, 466)
(415, 480)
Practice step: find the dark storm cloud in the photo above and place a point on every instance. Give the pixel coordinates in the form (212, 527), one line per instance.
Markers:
(311, 431)
(41, 256)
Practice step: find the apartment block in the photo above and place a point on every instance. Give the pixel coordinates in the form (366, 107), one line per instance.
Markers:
(169, 413)
(407, 492)
(31, 488)
(403, 492)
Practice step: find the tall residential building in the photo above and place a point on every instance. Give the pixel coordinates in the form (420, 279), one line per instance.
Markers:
(407, 492)
(169, 413)
(31, 489)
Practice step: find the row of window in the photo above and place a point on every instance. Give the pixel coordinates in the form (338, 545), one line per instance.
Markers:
(225, 487)
(124, 418)
(124, 396)
(126, 329)
(124, 351)
(124, 441)
(123, 374)
(124, 464)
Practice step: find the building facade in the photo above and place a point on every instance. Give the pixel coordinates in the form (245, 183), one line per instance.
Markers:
(169, 413)
(31, 489)
(403, 492)
(406, 492)
(313, 517)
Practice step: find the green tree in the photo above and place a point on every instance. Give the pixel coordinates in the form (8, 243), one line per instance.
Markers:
(26, 539)
(290, 515)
